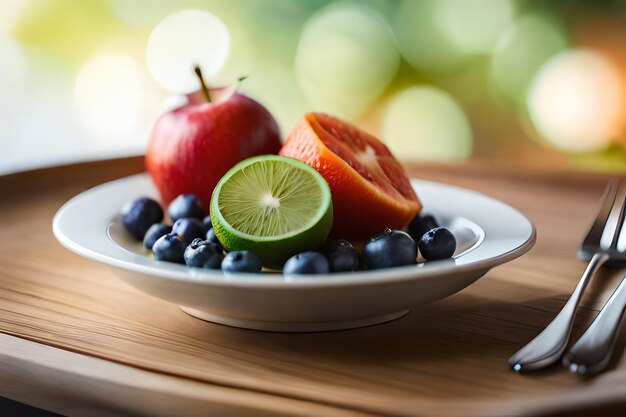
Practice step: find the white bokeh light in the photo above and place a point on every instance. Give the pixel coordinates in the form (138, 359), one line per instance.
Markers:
(108, 96)
(13, 62)
(180, 42)
(10, 12)
(576, 101)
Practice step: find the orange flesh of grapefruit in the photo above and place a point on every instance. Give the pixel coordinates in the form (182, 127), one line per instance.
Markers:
(369, 188)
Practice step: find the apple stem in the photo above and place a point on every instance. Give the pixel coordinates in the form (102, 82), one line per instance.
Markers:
(205, 90)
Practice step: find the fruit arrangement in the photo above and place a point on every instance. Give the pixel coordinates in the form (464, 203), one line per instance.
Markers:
(195, 243)
(238, 201)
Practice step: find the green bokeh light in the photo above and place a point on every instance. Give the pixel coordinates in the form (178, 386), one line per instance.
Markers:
(611, 159)
(426, 123)
(423, 42)
(340, 57)
(474, 26)
(346, 57)
(521, 51)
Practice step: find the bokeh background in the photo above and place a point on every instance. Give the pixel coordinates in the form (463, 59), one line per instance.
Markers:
(529, 84)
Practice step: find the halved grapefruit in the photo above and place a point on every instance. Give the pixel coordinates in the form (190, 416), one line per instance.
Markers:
(369, 188)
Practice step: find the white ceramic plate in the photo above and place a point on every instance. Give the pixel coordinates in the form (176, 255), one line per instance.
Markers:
(489, 233)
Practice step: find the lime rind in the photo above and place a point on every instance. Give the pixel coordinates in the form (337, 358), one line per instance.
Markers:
(325, 195)
(269, 208)
(273, 205)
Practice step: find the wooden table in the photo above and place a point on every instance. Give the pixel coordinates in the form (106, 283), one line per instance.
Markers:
(76, 340)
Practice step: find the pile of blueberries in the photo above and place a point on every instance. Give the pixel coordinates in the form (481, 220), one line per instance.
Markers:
(191, 240)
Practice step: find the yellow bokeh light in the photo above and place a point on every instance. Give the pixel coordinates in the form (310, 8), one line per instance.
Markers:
(108, 96)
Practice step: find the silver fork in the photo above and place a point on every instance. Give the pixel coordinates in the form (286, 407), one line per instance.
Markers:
(548, 347)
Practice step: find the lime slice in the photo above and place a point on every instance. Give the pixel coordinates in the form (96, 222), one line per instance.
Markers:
(273, 205)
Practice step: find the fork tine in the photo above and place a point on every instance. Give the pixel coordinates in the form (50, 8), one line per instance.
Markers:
(619, 225)
(592, 239)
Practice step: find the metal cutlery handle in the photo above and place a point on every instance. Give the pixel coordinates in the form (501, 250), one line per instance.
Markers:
(591, 353)
(547, 347)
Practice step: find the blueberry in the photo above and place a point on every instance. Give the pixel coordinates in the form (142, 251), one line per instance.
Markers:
(211, 237)
(208, 224)
(307, 263)
(154, 232)
(421, 224)
(203, 254)
(170, 248)
(388, 249)
(341, 255)
(189, 229)
(242, 261)
(438, 243)
(186, 205)
(138, 215)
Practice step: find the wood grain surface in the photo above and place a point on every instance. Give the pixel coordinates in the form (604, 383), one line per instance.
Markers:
(447, 358)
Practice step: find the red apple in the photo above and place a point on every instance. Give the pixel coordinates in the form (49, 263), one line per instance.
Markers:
(193, 146)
